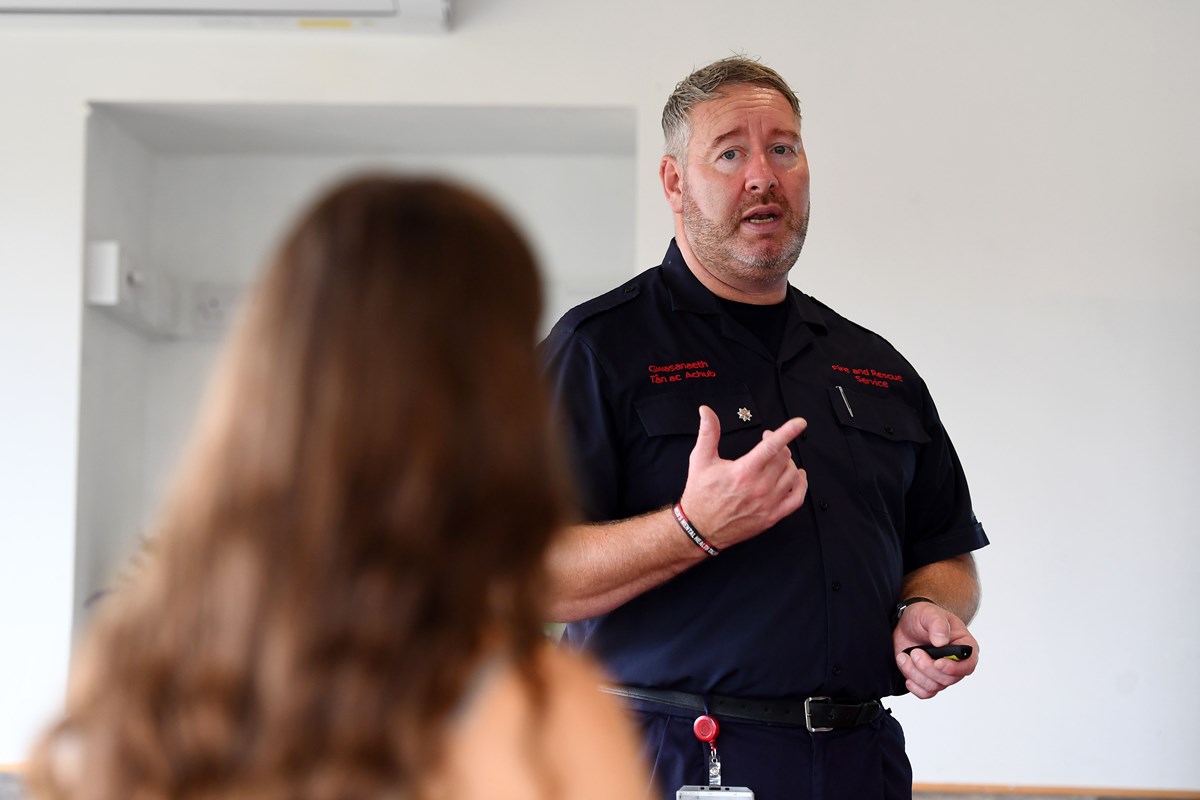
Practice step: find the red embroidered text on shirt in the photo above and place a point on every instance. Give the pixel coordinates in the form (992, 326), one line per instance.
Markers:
(682, 371)
(871, 377)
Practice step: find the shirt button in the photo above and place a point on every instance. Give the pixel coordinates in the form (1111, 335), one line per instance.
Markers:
(889, 429)
(837, 669)
(837, 585)
(824, 504)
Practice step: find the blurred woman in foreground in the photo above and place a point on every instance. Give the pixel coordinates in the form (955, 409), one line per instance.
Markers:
(345, 595)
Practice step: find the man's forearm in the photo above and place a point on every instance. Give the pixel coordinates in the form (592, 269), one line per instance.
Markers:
(596, 568)
(953, 584)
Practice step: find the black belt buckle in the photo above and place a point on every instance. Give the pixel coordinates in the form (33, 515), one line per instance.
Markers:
(808, 701)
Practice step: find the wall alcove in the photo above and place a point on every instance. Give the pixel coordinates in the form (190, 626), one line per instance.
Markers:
(185, 201)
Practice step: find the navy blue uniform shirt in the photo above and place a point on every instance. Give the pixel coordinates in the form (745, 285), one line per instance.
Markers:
(805, 608)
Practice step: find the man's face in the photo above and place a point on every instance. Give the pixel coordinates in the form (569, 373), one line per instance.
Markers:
(745, 187)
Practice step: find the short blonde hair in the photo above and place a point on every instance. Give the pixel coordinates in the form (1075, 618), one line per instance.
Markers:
(706, 84)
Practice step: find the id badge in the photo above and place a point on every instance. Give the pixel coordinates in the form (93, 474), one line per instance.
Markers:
(706, 730)
(713, 793)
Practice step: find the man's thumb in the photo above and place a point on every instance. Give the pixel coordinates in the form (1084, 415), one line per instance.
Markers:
(708, 436)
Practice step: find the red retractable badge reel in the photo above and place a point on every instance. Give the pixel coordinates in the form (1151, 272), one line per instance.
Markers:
(706, 728)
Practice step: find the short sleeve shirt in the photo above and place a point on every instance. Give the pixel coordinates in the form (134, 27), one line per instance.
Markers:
(805, 607)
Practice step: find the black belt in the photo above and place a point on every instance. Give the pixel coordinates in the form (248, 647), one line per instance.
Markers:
(818, 714)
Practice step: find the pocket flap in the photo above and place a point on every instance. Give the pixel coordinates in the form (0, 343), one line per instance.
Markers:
(881, 416)
(678, 413)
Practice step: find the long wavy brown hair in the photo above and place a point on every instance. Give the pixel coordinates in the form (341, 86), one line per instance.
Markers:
(360, 518)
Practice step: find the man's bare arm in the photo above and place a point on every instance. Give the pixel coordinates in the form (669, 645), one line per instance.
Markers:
(952, 584)
(595, 568)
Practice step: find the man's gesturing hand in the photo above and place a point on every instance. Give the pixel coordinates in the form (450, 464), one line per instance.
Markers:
(731, 501)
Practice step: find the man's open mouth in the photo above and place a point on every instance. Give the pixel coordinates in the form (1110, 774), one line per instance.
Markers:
(758, 219)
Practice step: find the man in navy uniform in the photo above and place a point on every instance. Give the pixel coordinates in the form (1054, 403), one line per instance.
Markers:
(776, 514)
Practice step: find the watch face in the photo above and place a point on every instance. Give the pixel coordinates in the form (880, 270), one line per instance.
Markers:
(911, 601)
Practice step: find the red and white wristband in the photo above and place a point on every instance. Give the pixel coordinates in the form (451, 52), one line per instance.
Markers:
(692, 533)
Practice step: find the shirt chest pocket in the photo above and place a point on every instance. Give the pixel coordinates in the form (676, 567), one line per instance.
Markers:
(677, 414)
(883, 436)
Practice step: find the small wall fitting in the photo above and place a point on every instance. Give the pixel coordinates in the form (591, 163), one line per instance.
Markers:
(155, 303)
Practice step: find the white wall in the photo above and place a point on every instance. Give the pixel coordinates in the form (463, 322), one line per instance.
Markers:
(1008, 191)
(111, 499)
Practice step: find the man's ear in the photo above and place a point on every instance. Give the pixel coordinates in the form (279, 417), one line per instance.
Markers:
(672, 182)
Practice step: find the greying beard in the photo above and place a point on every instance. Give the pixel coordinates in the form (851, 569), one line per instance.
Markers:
(716, 244)
(787, 256)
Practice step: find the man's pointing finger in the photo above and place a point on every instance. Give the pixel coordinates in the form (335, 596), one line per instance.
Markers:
(774, 442)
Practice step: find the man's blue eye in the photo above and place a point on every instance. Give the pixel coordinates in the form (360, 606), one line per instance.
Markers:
(729, 155)
(781, 149)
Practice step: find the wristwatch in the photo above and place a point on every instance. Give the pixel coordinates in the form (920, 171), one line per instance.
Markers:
(903, 604)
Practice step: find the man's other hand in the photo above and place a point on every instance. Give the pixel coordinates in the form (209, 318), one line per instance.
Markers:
(926, 623)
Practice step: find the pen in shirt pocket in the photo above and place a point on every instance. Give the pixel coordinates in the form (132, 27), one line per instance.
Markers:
(845, 400)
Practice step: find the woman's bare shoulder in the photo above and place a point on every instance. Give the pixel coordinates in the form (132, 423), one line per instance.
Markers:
(581, 740)
(590, 734)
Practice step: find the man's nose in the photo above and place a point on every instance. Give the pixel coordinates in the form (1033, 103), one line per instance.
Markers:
(760, 175)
